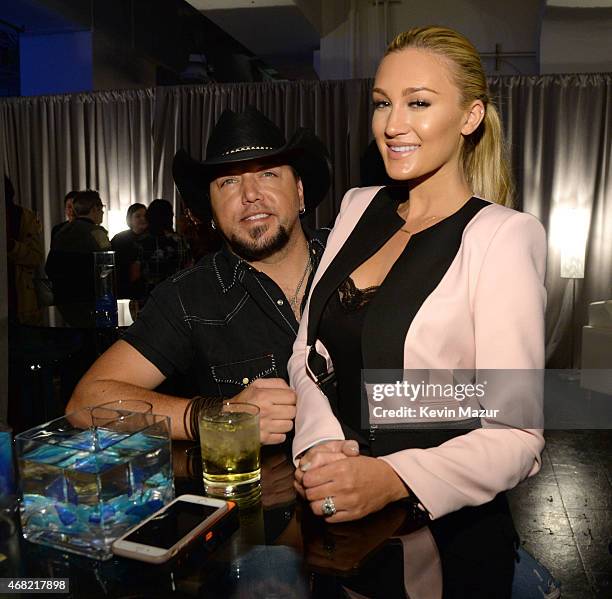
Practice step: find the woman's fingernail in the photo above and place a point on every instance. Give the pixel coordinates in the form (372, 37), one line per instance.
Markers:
(353, 447)
(304, 467)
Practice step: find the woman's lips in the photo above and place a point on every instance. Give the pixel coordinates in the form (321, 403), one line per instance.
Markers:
(399, 152)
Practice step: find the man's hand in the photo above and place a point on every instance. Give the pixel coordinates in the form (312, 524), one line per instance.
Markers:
(358, 486)
(276, 403)
(320, 455)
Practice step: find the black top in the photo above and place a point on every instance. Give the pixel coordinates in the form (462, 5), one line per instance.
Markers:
(56, 228)
(126, 253)
(69, 264)
(161, 256)
(340, 332)
(222, 322)
(373, 335)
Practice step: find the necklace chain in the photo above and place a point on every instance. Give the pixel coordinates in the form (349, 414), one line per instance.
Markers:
(425, 222)
(294, 299)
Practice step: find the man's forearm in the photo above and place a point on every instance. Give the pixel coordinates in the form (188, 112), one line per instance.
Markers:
(92, 393)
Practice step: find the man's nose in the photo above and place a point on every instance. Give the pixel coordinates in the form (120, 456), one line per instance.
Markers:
(251, 191)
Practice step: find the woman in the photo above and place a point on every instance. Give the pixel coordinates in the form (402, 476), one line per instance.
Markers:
(161, 251)
(124, 245)
(429, 276)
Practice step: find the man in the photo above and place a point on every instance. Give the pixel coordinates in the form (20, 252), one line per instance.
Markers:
(70, 261)
(230, 321)
(68, 213)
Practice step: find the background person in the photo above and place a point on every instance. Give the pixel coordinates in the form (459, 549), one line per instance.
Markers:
(126, 251)
(24, 252)
(161, 251)
(70, 261)
(68, 212)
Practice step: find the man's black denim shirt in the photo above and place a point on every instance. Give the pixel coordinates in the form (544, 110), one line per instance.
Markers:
(220, 324)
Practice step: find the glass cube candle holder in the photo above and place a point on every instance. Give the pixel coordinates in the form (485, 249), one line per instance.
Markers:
(89, 476)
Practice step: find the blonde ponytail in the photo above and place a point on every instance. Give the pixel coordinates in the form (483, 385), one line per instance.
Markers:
(485, 162)
(483, 155)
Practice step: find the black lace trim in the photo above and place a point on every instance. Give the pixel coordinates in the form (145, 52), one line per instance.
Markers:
(352, 298)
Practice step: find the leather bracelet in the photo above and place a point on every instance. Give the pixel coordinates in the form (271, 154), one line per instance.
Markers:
(188, 408)
(197, 404)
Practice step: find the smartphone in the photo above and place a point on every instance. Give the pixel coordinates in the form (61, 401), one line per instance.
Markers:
(164, 534)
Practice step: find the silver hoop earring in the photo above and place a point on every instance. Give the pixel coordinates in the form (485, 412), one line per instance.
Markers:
(212, 224)
(302, 211)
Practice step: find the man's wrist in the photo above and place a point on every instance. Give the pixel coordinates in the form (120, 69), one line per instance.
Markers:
(191, 417)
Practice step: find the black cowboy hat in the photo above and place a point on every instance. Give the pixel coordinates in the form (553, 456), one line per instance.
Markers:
(242, 136)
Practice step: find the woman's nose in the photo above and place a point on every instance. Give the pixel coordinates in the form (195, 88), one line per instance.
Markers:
(397, 122)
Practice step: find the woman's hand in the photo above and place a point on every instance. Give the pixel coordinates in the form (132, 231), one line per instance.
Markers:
(324, 453)
(358, 485)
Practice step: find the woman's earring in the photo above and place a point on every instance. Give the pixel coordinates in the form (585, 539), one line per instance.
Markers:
(302, 211)
(212, 224)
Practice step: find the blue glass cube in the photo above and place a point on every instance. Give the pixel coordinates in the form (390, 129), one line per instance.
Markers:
(86, 478)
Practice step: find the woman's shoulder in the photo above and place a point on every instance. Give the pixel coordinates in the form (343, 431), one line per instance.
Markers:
(494, 217)
(497, 224)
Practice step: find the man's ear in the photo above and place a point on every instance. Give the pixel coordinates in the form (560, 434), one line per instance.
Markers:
(474, 116)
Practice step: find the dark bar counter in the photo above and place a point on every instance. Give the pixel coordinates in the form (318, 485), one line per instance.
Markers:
(280, 549)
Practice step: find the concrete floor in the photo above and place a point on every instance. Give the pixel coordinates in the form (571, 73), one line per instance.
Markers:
(564, 513)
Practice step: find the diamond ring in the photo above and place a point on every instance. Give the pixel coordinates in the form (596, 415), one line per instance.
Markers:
(328, 507)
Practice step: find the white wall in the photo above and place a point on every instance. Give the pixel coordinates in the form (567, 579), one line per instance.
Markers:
(576, 40)
(355, 32)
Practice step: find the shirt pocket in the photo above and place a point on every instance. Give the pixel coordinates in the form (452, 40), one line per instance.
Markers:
(233, 377)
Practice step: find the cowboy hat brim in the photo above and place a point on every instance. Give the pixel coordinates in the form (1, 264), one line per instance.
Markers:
(304, 151)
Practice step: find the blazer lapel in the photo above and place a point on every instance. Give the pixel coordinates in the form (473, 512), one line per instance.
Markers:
(376, 225)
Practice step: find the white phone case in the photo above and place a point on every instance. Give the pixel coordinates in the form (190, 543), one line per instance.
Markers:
(158, 555)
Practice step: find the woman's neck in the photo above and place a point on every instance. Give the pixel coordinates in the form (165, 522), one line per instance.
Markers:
(439, 194)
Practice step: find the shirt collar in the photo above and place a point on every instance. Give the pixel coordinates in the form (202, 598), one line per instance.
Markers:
(229, 268)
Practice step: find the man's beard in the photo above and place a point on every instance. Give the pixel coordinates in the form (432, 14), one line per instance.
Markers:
(252, 251)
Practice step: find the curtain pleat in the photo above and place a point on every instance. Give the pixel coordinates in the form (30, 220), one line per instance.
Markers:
(122, 143)
(101, 141)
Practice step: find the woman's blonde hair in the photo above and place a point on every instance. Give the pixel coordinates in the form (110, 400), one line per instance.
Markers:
(483, 154)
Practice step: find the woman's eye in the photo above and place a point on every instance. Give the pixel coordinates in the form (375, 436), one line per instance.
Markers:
(378, 104)
(419, 104)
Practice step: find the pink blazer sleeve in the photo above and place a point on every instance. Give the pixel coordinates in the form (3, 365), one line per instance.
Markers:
(509, 306)
(314, 420)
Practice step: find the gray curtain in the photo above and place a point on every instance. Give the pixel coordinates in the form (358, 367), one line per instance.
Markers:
(57, 143)
(336, 110)
(122, 143)
(559, 130)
